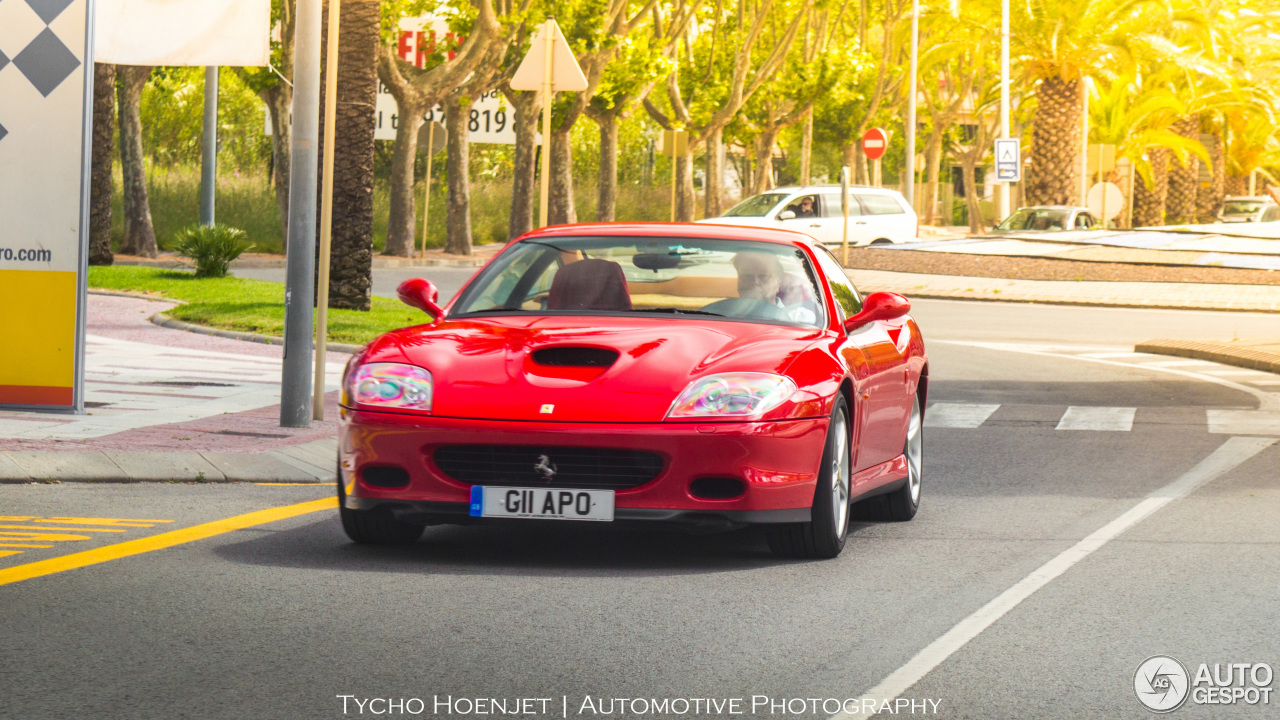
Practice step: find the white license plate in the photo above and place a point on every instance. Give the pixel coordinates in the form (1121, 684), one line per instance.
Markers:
(542, 503)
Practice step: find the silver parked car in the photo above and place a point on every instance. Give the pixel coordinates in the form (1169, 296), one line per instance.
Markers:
(1048, 218)
(876, 215)
(1256, 208)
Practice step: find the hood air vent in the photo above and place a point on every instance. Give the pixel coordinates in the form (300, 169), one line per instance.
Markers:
(575, 357)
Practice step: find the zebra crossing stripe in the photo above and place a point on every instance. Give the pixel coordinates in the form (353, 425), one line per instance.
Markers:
(1115, 419)
(958, 415)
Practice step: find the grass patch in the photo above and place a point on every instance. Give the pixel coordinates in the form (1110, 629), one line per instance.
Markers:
(246, 305)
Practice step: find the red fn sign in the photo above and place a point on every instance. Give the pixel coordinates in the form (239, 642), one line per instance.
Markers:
(874, 143)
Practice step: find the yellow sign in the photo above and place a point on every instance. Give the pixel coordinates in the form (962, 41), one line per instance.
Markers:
(677, 140)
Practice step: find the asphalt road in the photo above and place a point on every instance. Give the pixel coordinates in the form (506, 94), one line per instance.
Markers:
(1045, 565)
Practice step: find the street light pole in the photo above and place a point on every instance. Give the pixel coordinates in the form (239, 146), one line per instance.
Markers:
(910, 185)
(209, 146)
(299, 288)
(1002, 188)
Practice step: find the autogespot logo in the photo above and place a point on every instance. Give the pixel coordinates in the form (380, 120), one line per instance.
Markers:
(1161, 684)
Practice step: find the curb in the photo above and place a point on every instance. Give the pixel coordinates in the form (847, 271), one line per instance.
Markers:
(165, 321)
(305, 463)
(1215, 352)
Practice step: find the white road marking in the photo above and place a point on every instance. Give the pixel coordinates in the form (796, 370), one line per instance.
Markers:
(1228, 372)
(1109, 355)
(957, 415)
(1232, 453)
(1242, 422)
(1114, 419)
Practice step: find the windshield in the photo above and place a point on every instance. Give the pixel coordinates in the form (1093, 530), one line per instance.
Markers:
(1241, 207)
(757, 206)
(670, 277)
(1035, 219)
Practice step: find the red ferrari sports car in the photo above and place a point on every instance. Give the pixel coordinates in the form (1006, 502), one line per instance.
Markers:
(710, 375)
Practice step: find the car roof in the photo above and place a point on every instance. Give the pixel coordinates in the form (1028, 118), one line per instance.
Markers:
(709, 231)
(792, 189)
(1054, 207)
(1248, 198)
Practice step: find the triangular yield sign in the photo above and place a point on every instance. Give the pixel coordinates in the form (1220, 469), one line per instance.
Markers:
(565, 73)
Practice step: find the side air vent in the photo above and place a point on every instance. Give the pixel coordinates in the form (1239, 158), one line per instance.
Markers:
(569, 356)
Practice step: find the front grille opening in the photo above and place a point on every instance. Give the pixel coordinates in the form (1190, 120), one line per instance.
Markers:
(548, 466)
(569, 356)
(713, 488)
(385, 476)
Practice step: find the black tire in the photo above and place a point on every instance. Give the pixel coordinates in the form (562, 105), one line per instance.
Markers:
(823, 537)
(901, 504)
(374, 527)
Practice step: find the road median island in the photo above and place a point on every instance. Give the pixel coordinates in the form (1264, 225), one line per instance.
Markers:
(242, 308)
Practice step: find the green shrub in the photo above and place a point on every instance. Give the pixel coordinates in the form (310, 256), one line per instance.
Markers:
(211, 247)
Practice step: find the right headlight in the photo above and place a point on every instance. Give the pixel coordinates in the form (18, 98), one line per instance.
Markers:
(389, 386)
(732, 395)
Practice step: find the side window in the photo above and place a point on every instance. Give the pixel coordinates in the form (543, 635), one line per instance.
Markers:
(881, 205)
(1084, 221)
(805, 206)
(1272, 214)
(848, 302)
(831, 206)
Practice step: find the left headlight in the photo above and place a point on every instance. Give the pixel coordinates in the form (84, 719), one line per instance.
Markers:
(390, 386)
(741, 394)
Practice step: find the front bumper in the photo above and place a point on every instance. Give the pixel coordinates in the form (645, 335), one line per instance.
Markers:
(777, 463)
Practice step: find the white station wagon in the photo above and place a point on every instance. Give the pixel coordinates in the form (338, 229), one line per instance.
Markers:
(876, 215)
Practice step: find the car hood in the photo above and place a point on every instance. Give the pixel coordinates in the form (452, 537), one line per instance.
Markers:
(487, 368)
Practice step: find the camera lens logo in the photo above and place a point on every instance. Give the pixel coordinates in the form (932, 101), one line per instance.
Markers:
(1161, 684)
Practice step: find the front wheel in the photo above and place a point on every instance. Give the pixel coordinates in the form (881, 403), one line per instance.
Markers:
(824, 535)
(374, 527)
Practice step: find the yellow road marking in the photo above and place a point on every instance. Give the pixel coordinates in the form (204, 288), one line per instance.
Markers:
(25, 546)
(42, 536)
(161, 541)
(7, 553)
(37, 528)
(118, 522)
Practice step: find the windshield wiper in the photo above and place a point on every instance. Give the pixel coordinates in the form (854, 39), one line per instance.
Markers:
(680, 311)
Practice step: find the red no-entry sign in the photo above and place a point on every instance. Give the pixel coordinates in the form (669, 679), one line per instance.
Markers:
(874, 143)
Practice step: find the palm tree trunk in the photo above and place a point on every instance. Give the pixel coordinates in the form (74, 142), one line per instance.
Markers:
(607, 184)
(1054, 174)
(457, 221)
(139, 235)
(1149, 202)
(523, 186)
(104, 121)
(351, 269)
(1235, 185)
(1209, 198)
(1184, 178)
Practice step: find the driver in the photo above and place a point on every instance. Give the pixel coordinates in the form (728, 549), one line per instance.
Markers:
(760, 277)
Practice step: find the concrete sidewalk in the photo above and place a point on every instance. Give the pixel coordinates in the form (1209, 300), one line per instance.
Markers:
(166, 405)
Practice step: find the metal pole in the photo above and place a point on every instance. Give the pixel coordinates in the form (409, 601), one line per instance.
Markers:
(844, 208)
(426, 194)
(548, 33)
(1002, 188)
(1253, 182)
(326, 208)
(1084, 141)
(910, 185)
(209, 146)
(295, 382)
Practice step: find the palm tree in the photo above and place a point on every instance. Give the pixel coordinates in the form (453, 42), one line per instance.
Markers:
(1136, 118)
(1059, 43)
